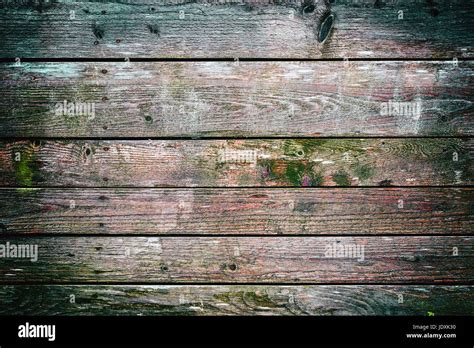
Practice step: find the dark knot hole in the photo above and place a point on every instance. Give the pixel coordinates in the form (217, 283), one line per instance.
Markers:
(327, 22)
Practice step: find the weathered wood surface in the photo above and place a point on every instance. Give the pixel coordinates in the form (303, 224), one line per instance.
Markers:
(107, 229)
(332, 211)
(366, 29)
(204, 99)
(356, 260)
(237, 163)
(236, 300)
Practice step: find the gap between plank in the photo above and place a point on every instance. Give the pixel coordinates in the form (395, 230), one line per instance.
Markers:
(218, 235)
(234, 187)
(205, 138)
(230, 283)
(232, 59)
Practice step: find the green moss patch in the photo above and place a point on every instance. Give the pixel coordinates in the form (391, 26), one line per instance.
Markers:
(341, 178)
(363, 171)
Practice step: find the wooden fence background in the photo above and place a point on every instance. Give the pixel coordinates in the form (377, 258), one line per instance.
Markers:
(237, 157)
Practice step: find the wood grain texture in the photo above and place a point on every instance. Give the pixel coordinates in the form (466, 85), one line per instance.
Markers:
(363, 29)
(321, 300)
(237, 211)
(202, 99)
(356, 260)
(237, 163)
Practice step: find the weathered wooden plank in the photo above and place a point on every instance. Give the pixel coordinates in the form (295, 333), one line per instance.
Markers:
(356, 260)
(237, 163)
(226, 99)
(237, 211)
(236, 300)
(240, 29)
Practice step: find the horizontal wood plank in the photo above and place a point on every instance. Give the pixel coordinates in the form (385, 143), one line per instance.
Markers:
(237, 163)
(356, 260)
(321, 300)
(202, 99)
(366, 29)
(307, 211)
